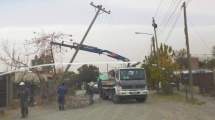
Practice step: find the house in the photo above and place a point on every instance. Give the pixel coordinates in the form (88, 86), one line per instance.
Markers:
(202, 78)
(4, 90)
(194, 63)
(9, 84)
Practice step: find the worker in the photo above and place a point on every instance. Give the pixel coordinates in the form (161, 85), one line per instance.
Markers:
(23, 95)
(89, 91)
(100, 87)
(31, 90)
(62, 91)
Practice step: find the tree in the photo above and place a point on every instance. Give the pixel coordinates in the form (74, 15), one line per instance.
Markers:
(88, 73)
(209, 63)
(213, 51)
(165, 72)
(44, 50)
(11, 56)
(181, 58)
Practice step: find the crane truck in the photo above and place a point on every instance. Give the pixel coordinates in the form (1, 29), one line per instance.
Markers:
(117, 84)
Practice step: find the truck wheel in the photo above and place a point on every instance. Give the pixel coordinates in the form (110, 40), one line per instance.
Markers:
(142, 99)
(115, 99)
(103, 96)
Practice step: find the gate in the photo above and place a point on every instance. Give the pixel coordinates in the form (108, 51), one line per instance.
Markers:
(3, 91)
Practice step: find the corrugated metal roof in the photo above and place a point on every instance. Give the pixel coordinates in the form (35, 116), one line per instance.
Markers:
(197, 71)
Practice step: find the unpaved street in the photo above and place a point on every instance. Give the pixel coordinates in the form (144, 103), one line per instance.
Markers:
(155, 108)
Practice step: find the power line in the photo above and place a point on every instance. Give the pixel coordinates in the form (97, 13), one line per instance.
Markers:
(158, 8)
(170, 8)
(188, 2)
(171, 15)
(173, 27)
(194, 31)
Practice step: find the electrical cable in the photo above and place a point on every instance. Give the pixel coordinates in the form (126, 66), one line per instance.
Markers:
(170, 8)
(158, 8)
(173, 26)
(194, 31)
(171, 15)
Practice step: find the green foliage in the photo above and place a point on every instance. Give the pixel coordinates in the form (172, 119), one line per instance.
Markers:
(213, 51)
(72, 81)
(88, 73)
(181, 58)
(43, 59)
(165, 72)
(209, 63)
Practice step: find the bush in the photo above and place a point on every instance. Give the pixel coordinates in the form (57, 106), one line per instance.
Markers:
(167, 88)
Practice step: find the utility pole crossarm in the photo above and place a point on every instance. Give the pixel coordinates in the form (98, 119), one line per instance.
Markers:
(100, 7)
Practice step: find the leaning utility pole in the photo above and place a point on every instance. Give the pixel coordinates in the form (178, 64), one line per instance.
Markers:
(99, 9)
(188, 51)
(52, 54)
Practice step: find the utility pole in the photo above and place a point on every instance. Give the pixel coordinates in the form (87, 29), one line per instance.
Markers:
(156, 41)
(188, 51)
(99, 9)
(157, 48)
(153, 46)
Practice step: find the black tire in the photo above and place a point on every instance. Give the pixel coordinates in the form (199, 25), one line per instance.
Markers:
(105, 97)
(142, 99)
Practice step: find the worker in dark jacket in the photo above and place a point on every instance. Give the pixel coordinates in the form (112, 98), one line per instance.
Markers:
(23, 95)
(62, 90)
(100, 87)
(31, 94)
(89, 91)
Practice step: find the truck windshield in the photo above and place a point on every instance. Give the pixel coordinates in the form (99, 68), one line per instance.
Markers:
(132, 74)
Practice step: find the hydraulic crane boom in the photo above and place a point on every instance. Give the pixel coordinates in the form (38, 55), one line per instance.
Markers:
(93, 50)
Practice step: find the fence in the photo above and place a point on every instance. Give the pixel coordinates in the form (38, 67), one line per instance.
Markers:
(204, 79)
(3, 91)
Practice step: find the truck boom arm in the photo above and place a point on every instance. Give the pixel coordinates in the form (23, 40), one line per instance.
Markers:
(93, 50)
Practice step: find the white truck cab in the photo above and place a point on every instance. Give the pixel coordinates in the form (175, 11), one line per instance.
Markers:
(130, 83)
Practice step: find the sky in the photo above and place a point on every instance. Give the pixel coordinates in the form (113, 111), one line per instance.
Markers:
(19, 19)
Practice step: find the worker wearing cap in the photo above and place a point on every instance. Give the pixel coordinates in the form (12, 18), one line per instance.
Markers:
(23, 95)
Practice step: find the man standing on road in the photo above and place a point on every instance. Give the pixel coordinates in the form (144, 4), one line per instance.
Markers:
(23, 95)
(62, 90)
(89, 91)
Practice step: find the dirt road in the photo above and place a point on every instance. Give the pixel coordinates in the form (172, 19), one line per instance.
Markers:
(155, 108)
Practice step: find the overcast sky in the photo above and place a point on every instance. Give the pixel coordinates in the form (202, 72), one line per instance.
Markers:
(20, 18)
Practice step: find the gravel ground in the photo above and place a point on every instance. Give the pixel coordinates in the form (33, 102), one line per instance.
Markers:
(155, 108)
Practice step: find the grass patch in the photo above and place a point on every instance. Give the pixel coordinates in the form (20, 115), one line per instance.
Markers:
(176, 97)
(195, 101)
(170, 97)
